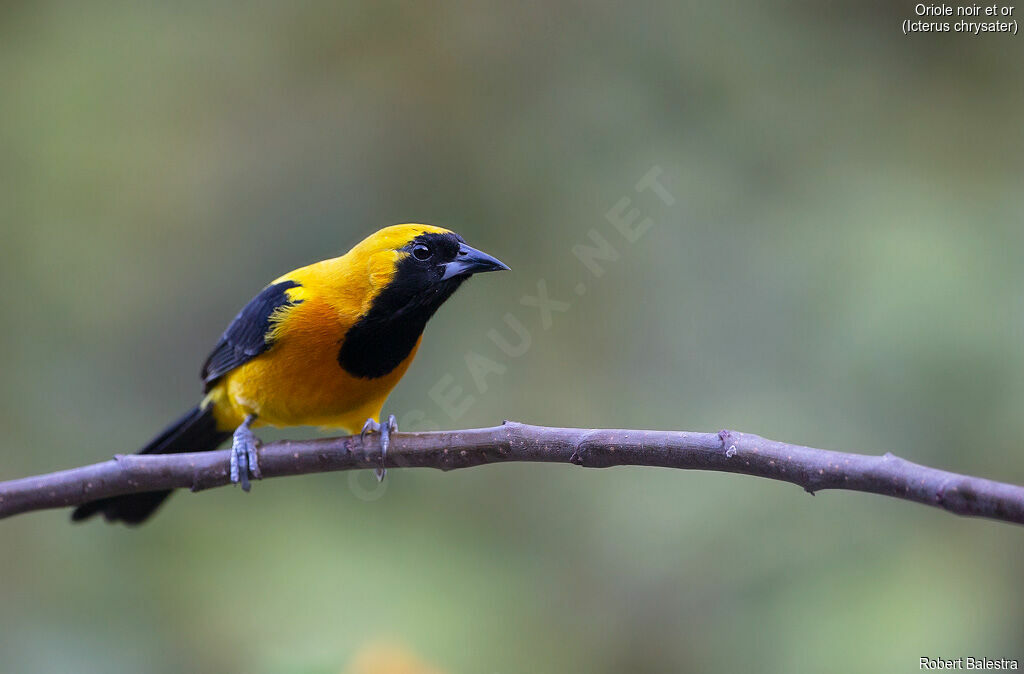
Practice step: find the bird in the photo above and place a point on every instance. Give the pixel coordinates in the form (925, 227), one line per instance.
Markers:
(323, 345)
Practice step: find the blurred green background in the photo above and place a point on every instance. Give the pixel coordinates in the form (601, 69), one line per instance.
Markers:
(841, 267)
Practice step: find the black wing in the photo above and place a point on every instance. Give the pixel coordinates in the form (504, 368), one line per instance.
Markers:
(246, 337)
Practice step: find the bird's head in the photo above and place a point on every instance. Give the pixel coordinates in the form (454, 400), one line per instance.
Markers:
(417, 267)
(412, 269)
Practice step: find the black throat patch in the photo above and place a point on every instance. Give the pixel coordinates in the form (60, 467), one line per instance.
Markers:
(387, 333)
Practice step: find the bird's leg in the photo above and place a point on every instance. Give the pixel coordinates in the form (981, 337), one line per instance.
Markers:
(244, 461)
(385, 430)
(385, 439)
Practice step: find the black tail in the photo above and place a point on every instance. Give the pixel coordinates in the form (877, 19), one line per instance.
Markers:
(195, 432)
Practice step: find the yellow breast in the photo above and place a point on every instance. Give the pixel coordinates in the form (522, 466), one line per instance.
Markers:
(298, 382)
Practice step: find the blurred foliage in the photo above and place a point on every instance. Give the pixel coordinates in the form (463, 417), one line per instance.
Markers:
(841, 267)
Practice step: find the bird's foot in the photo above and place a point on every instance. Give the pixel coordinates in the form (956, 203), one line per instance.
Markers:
(385, 431)
(244, 462)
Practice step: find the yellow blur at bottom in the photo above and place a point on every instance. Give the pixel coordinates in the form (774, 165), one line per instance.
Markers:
(388, 658)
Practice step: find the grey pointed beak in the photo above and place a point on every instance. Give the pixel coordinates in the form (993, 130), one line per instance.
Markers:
(471, 261)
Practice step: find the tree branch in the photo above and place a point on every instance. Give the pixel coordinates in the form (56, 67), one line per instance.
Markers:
(725, 451)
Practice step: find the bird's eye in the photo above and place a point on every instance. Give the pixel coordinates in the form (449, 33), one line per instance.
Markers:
(421, 252)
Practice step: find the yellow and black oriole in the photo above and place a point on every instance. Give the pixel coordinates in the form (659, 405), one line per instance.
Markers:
(320, 346)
